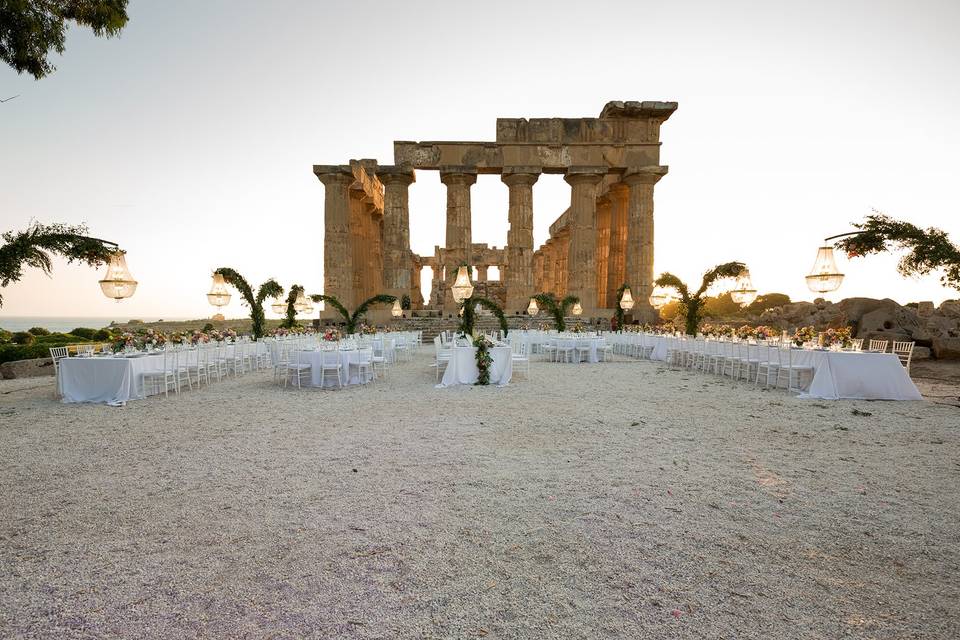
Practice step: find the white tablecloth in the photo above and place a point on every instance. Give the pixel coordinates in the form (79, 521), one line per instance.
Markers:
(855, 375)
(115, 380)
(112, 380)
(848, 375)
(348, 374)
(462, 368)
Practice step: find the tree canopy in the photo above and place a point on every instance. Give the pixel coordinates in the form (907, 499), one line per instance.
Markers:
(30, 30)
(32, 248)
(927, 249)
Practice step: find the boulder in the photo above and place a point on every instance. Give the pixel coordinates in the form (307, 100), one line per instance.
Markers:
(950, 308)
(946, 348)
(26, 368)
(925, 309)
(921, 353)
(856, 308)
(903, 320)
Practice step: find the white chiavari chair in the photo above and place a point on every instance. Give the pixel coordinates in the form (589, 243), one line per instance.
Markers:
(904, 351)
(56, 354)
(297, 366)
(330, 364)
(878, 346)
(165, 375)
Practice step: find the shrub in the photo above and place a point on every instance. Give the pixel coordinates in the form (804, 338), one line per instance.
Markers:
(102, 335)
(22, 337)
(5, 336)
(207, 327)
(39, 331)
(85, 333)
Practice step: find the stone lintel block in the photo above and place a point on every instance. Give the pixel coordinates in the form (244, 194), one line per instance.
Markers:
(636, 109)
(549, 158)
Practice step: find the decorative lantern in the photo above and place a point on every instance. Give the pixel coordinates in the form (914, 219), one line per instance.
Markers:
(532, 308)
(824, 277)
(577, 309)
(307, 305)
(626, 300)
(659, 297)
(118, 283)
(279, 306)
(396, 311)
(743, 292)
(462, 289)
(300, 304)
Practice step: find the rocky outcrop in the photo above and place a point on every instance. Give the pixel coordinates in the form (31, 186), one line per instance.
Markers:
(935, 330)
(27, 368)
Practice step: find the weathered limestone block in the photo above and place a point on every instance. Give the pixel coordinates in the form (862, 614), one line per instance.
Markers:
(950, 308)
(34, 368)
(925, 309)
(946, 348)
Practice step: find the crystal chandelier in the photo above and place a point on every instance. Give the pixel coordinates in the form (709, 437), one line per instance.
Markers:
(396, 310)
(743, 292)
(626, 300)
(532, 308)
(462, 289)
(577, 309)
(118, 283)
(278, 306)
(659, 297)
(824, 277)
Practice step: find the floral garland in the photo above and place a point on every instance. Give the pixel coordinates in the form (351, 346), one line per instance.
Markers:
(484, 359)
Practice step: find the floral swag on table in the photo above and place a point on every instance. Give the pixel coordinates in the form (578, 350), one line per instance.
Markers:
(152, 339)
(484, 358)
(332, 334)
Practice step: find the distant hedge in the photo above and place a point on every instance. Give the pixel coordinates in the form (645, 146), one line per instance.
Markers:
(38, 346)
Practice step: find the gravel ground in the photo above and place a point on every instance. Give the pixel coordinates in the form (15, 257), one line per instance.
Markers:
(618, 500)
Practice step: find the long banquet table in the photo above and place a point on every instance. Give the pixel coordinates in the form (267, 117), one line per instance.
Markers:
(837, 375)
(462, 368)
(117, 379)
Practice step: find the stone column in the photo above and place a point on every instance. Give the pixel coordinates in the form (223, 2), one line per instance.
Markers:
(397, 264)
(518, 276)
(582, 255)
(337, 243)
(459, 239)
(482, 272)
(619, 193)
(359, 234)
(416, 294)
(603, 249)
(639, 251)
(538, 275)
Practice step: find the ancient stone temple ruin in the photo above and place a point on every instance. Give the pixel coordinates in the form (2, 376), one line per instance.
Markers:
(604, 239)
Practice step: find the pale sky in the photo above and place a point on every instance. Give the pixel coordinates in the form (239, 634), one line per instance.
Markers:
(190, 139)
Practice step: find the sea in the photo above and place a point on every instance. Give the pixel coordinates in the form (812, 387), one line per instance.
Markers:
(65, 324)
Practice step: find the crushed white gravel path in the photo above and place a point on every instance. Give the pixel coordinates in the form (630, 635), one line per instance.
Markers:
(618, 500)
